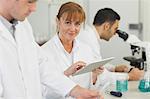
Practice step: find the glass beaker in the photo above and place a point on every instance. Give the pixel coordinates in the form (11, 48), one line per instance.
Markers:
(122, 82)
(144, 84)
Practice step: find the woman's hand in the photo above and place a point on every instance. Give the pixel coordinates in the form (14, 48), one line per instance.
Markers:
(97, 72)
(74, 68)
(82, 93)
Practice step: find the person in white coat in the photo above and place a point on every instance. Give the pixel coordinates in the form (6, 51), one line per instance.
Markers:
(70, 54)
(25, 72)
(105, 24)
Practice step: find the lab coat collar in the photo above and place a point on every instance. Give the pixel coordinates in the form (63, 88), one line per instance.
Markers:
(60, 46)
(6, 23)
(6, 34)
(14, 22)
(95, 31)
(96, 34)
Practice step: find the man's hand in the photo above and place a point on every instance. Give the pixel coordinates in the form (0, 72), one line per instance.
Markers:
(74, 68)
(97, 72)
(136, 74)
(82, 93)
(121, 68)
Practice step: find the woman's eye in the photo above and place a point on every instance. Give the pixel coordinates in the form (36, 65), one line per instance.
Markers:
(68, 22)
(77, 24)
(31, 1)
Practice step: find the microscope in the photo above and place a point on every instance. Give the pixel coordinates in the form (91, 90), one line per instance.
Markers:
(138, 49)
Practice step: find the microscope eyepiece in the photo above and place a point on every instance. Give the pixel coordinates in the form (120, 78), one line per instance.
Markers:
(122, 34)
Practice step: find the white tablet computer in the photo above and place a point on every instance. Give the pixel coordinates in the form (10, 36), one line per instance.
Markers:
(93, 66)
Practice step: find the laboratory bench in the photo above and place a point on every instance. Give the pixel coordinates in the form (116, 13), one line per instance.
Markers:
(132, 93)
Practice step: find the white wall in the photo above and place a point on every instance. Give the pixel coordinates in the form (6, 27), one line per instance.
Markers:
(145, 18)
(39, 21)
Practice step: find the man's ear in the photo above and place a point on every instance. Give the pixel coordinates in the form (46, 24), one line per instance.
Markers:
(106, 26)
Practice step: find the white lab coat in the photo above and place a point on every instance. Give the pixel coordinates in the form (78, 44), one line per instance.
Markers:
(89, 35)
(80, 51)
(23, 72)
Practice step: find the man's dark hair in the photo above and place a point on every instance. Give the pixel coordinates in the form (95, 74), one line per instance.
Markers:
(105, 15)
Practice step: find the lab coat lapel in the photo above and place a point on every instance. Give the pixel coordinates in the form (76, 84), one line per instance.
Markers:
(96, 41)
(27, 53)
(23, 47)
(6, 34)
(75, 50)
(61, 52)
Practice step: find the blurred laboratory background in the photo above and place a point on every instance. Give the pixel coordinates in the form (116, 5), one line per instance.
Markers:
(135, 19)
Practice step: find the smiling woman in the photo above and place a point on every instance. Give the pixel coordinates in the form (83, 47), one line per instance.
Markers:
(69, 20)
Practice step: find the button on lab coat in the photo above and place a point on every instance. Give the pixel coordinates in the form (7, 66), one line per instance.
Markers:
(23, 71)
